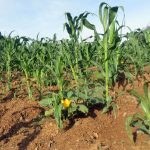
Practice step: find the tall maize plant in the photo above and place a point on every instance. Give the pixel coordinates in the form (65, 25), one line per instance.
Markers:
(110, 39)
(74, 28)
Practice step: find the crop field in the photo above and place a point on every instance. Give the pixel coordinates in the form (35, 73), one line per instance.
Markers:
(74, 94)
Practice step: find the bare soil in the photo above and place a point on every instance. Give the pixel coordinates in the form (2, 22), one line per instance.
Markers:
(22, 126)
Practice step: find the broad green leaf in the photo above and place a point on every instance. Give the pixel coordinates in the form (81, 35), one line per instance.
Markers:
(58, 115)
(46, 102)
(83, 108)
(68, 28)
(105, 18)
(112, 14)
(69, 94)
(87, 24)
(112, 33)
(49, 112)
(70, 20)
(103, 4)
(82, 96)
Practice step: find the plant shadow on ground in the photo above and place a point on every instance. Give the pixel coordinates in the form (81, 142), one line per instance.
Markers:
(121, 82)
(80, 115)
(9, 96)
(29, 137)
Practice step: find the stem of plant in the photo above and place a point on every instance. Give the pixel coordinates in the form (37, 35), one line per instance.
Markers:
(28, 86)
(8, 76)
(106, 66)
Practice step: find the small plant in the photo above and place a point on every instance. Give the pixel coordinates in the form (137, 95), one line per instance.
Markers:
(63, 108)
(140, 121)
(68, 103)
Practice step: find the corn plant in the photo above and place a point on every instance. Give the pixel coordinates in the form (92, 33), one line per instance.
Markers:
(70, 60)
(26, 61)
(74, 25)
(39, 75)
(110, 40)
(74, 28)
(136, 51)
(10, 45)
(141, 121)
(147, 36)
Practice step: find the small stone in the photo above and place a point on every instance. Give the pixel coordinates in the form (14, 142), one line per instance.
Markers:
(36, 148)
(124, 114)
(21, 118)
(1, 131)
(77, 123)
(50, 143)
(51, 124)
(114, 142)
(95, 135)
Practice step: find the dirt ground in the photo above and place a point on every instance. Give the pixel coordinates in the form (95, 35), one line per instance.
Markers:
(22, 126)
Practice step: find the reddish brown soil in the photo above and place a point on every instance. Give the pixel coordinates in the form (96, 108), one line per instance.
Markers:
(22, 127)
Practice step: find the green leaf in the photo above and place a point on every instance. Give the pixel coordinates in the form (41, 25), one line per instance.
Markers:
(82, 96)
(72, 109)
(112, 33)
(49, 112)
(58, 115)
(144, 129)
(68, 28)
(69, 94)
(112, 14)
(87, 24)
(83, 108)
(46, 102)
(105, 18)
(103, 4)
(128, 127)
(70, 20)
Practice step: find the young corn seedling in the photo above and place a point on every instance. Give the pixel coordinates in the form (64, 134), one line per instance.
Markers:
(57, 71)
(8, 51)
(147, 36)
(26, 68)
(141, 121)
(74, 28)
(70, 60)
(26, 62)
(136, 52)
(39, 75)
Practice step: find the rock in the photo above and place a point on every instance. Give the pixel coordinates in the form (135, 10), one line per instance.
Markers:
(124, 114)
(95, 135)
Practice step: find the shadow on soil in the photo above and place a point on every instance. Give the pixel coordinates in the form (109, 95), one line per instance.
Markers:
(25, 142)
(9, 96)
(91, 114)
(29, 136)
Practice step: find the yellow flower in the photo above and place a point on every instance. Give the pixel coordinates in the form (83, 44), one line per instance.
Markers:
(66, 103)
